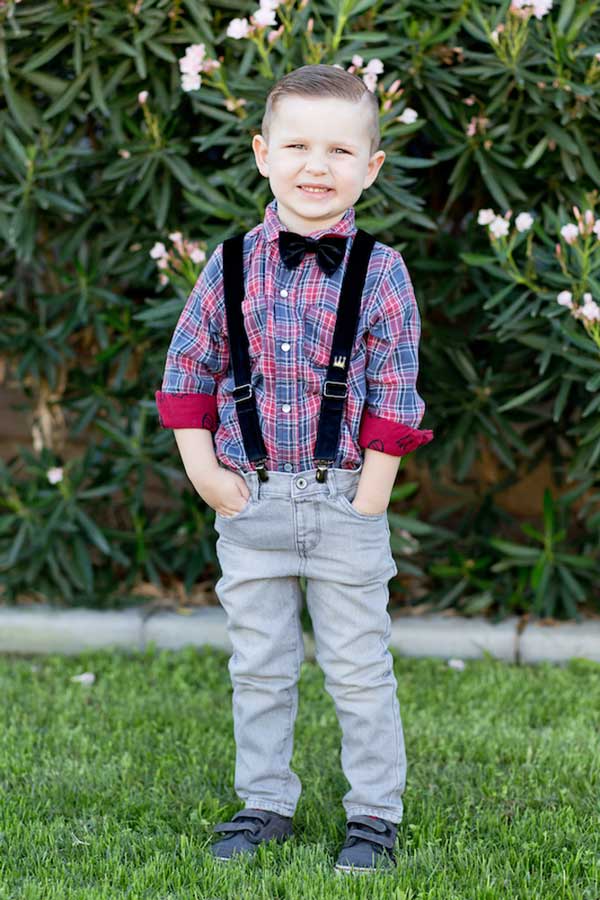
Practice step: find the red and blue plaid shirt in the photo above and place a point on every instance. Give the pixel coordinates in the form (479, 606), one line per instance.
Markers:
(289, 316)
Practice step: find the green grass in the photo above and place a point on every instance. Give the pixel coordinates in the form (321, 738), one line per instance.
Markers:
(110, 790)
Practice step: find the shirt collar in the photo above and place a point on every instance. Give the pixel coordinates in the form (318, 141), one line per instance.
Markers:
(272, 224)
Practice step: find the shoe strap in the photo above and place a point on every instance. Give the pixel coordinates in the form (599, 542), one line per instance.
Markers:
(366, 828)
(245, 820)
(261, 814)
(253, 828)
(364, 835)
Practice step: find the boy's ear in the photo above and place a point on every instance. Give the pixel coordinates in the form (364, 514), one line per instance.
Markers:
(259, 145)
(373, 167)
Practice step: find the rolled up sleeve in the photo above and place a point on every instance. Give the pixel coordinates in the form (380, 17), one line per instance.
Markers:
(393, 408)
(198, 355)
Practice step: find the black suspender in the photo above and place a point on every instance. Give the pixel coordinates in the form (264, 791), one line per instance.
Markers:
(335, 388)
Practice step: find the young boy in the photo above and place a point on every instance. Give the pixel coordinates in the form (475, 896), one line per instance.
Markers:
(307, 440)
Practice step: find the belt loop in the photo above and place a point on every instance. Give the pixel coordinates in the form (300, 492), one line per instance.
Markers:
(331, 483)
(251, 480)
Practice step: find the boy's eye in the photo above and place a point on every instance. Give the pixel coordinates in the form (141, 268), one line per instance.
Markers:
(302, 145)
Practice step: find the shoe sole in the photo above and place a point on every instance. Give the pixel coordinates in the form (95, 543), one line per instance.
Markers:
(361, 870)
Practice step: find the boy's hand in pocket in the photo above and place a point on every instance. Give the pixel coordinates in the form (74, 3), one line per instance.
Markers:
(224, 491)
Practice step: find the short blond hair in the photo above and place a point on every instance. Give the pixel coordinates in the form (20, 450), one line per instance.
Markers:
(321, 80)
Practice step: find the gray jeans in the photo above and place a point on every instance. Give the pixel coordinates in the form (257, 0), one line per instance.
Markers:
(291, 526)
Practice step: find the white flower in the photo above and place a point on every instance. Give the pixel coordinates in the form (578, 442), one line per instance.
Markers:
(370, 79)
(158, 250)
(590, 309)
(596, 228)
(191, 63)
(499, 227)
(485, 216)
(142, 97)
(570, 233)
(263, 17)
(268, 4)
(374, 66)
(408, 116)
(524, 221)
(357, 60)
(541, 7)
(55, 474)
(84, 678)
(190, 83)
(565, 298)
(457, 664)
(238, 28)
(494, 36)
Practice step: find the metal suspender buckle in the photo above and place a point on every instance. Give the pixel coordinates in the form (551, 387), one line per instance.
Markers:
(242, 387)
(322, 465)
(261, 470)
(335, 395)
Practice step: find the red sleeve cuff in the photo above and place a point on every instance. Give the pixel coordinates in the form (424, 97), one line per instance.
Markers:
(187, 410)
(390, 437)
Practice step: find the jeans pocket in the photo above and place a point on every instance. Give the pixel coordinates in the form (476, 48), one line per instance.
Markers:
(346, 505)
(237, 515)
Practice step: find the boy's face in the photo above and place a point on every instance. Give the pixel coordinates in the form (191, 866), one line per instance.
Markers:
(316, 141)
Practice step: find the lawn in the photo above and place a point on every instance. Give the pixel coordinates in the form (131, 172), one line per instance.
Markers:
(109, 790)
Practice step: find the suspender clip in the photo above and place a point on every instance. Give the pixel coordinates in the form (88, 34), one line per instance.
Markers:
(340, 395)
(261, 470)
(322, 465)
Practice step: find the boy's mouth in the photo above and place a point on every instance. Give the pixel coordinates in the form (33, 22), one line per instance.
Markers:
(314, 191)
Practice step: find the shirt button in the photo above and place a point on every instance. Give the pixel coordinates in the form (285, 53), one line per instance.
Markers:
(288, 467)
(283, 293)
(286, 347)
(286, 407)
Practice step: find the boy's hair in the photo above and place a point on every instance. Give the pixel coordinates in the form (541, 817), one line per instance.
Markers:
(324, 81)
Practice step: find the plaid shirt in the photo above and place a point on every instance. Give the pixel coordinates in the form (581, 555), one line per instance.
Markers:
(289, 316)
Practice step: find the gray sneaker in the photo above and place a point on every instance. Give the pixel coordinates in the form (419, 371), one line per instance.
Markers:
(249, 828)
(369, 846)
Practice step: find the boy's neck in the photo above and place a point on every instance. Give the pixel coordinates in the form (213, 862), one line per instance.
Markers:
(303, 226)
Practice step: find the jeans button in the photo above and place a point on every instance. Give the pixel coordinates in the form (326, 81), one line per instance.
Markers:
(301, 482)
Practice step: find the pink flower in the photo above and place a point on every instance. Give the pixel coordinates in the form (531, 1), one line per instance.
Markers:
(158, 250)
(590, 309)
(596, 228)
(55, 474)
(357, 60)
(142, 97)
(374, 66)
(370, 79)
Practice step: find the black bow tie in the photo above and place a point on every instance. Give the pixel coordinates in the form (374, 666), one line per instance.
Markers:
(329, 250)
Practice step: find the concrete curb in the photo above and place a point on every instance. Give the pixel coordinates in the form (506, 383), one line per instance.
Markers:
(47, 629)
